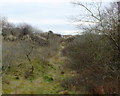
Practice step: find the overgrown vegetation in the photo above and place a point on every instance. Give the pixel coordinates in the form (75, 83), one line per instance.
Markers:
(27, 54)
(94, 57)
(36, 62)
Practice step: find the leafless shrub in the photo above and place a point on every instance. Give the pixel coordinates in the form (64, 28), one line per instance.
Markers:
(90, 56)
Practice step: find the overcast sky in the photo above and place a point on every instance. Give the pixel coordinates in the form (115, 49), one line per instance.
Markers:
(46, 15)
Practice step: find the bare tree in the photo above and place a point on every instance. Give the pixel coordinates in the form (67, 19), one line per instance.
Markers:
(28, 47)
(96, 63)
(107, 21)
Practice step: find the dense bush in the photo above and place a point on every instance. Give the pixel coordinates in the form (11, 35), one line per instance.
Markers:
(94, 56)
(90, 56)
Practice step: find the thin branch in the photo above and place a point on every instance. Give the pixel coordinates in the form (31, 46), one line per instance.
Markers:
(87, 10)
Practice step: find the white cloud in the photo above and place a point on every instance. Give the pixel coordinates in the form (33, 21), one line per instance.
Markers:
(41, 21)
(98, 0)
(84, 23)
(50, 22)
(36, 1)
(67, 32)
(52, 1)
(70, 32)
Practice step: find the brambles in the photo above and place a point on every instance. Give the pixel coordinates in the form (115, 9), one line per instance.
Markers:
(90, 56)
(93, 56)
(86, 63)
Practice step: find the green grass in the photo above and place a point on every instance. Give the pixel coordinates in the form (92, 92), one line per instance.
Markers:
(42, 81)
(36, 86)
(46, 78)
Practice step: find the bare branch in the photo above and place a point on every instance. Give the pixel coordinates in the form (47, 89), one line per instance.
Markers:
(78, 3)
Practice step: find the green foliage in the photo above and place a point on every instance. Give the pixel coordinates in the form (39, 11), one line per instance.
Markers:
(48, 78)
